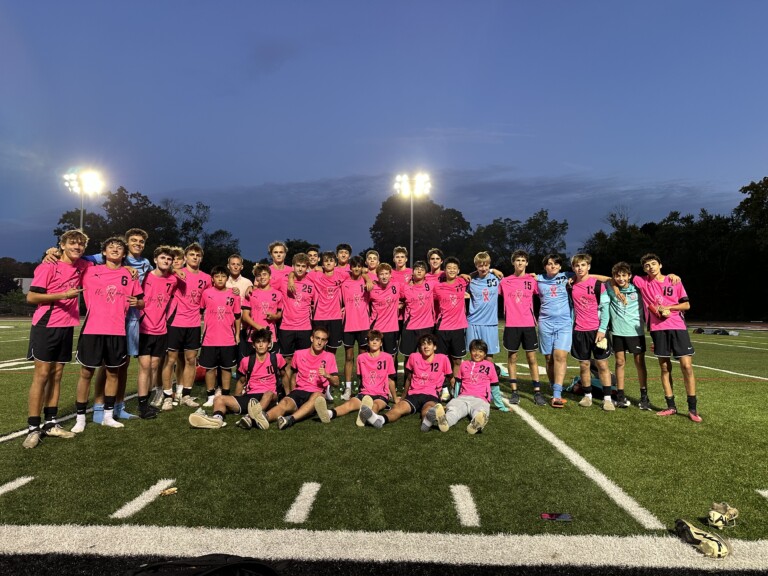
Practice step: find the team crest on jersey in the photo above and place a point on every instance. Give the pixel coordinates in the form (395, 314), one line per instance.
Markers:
(220, 312)
(633, 296)
(313, 375)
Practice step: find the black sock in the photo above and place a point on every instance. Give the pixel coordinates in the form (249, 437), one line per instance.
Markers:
(644, 393)
(109, 402)
(332, 414)
(81, 407)
(225, 391)
(186, 391)
(143, 401)
(670, 401)
(34, 422)
(50, 413)
(692, 404)
(219, 413)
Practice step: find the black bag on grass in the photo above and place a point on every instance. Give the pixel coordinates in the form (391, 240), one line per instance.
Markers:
(215, 564)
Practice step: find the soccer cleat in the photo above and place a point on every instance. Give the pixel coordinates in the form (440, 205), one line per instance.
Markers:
(32, 439)
(197, 420)
(148, 412)
(514, 398)
(708, 544)
(442, 421)
(209, 401)
(157, 398)
(56, 431)
(121, 413)
(625, 404)
(585, 402)
(257, 414)
(189, 401)
(446, 395)
(371, 417)
(284, 422)
(367, 401)
(346, 395)
(608, 405)
(167, 404)
(322, 410)
(644, 404)
(722, 514)
(112, 423)
(430, 418)
(557, 402)
(246, 422)
(478, 422)
(667, 412)
(694, 416)
(539, 400)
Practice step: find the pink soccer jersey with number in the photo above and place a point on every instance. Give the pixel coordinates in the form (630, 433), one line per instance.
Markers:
(307, 367)
(419, 306)
(328, 294)
(385, 301)
(375, 372)
(220, 309)
(517, 293)
(263, 302)
(450, 302)
(158, 292)
(435, 278)
(297, 305)
(356, 303)
(279, 275)
(55, 279)
(665, 294)
(401, 277)
(477, 379)
(263, 377)
(585, 304)
(428, 377)
(186, 300)
(106, 292)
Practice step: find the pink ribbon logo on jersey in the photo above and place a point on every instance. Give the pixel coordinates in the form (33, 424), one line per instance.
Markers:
(159, 301)
(297, 299)
(356, 300)
(265, 308)
(486, 295)
(454, 300)
(331, 291)
(220, 311)
(421, 300)
(553, 291)
(373, 376)
(314, 375)
(388, 299)
(194, 297)
(111, 293)
(518, 296)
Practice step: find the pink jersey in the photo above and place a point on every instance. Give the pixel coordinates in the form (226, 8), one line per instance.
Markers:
(278, 275)
(106, 292)
(419, 306)
(517, 293)
(662, 293)
(402, 277)
(428, 377)
(375, 373)
(585, 304)
(435, 278)
(158, 292)
(55, 279)
(356, 301)
(307, 366)
(186, 300)
(263, 377)
(220, 310)
(477, 379)
(297, 305)
(328, 294)
(385, 301)
(450, 301)
(261, 303)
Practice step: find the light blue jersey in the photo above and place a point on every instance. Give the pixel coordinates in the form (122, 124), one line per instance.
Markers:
(484, 301)
(556, 308)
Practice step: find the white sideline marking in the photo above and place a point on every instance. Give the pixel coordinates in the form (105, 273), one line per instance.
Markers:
(11, 360)
(465, 505)
(30, 367)
(644, 551)
(763, 493)
(18, 483)
(614, 492)
(728, 345)
(727, 371)
(144, 499)
(302, 506)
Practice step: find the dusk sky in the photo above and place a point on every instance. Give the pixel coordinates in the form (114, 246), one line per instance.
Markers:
(292, 118)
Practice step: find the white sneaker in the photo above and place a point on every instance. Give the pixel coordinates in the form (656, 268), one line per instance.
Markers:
(322, 410)
(167, 404)
(446, 395)
(204, 421)
(209, 402)
(56, 431)
(328, 395)
(368, 402)
(478, 423)
(157, 398)
(257, 414)
(78, 427)
(442, 421)
(347, 394)
(189, 401)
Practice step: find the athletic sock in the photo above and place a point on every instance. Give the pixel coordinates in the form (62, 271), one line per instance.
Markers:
(692, 404)
(81, 407)
(557, 390)
(50, 414)
(186, 391)
(143, 401)
(588, 392)
(606, 392)
(109, 404)
(670, 401)
(536, 385)
(225, 391)
(218, 414)
(33, 422)
(168, 393)
(643, 393)
(513, 384)
(332, 414)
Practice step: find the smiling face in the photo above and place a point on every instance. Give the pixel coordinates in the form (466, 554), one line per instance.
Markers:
(72, 249)
(372, 261)
(343, 256)
(483, 268)
(136, 245)
(622, 279)
(314, 258)
(114, 252)
(384, 276)
(263, 279)
(581, 269)
(435, 262)
(427, 348)
(477, 354)
(451, 271)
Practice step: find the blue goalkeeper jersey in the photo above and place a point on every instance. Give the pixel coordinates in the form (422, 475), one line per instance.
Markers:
(556, 308)
(484, 301)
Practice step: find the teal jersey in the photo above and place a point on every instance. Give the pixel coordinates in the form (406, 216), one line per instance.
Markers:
(627, 320)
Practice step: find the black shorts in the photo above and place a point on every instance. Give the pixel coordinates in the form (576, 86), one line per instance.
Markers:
(349, 339)
(334, 331)
(631, 344)
(382, 398)
(218, 357)
(452, 342)
(417, 401)
(583, 346)
(299, 397)
(410, 339)
(667, 343)
(390, 342)
(244, 347)
(180, 339)
(243, 401)
(153, 345)
(93, 350)
(292, 340)
(527, 336)
(50, 344)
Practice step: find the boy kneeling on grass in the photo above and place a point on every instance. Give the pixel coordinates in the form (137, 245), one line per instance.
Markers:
(377, 373)
(260, 374)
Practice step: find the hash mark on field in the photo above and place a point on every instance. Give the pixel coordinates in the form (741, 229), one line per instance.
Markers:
(302, 506)
(763, 493)
(465, 505)
(614, 492)
(726, 371)
(143, 499)
(13, 484)
(728, 345)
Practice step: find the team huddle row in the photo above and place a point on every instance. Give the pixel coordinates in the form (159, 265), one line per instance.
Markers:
(281, 333)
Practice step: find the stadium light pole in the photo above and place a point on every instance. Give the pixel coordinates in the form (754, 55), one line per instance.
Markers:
(82, 183)
(419, 186)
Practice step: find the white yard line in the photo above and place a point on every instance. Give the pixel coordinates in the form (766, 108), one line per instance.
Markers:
(612, 490)
(640, 551)
(18, 483)
(302, 506)
(728, 345)
(465, 505)
(727, 371)
(144, 499)
(763, 493)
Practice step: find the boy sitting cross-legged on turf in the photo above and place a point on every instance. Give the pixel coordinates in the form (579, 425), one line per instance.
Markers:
(221, 317)
(260, 374)
(425, 374)
(313, 369)
(376, 370)
(479, 383)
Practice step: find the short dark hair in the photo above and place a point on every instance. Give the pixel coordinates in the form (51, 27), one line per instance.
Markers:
(427, 337)
(556, 258)
(261, 334)
(346, 247)
(219, 270)
(451, 260)
(356, 261)
(478, 344)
